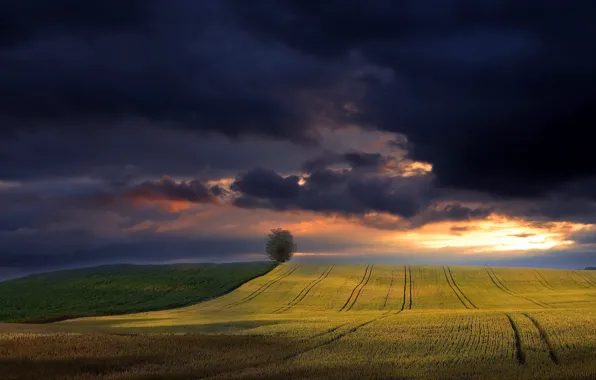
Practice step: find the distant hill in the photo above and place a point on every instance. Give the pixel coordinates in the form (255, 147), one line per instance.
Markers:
(119, 289)
(590, 268)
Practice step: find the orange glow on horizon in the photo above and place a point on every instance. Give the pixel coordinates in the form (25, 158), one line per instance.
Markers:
(496, 234)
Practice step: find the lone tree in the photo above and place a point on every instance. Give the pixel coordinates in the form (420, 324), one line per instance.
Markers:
(280, 245)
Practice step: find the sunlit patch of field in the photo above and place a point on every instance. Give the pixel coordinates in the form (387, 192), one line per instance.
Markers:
(305, 320)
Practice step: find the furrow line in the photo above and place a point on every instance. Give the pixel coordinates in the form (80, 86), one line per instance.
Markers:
(312, 285)
(542, 280)
(301, 291)
(458, 288)
(410, 272)
(589, 282)
(355, 288)
(452, 288)
(519, 353)
(288, 273)
(389, 289)
(403, 304)
(362, 287)
(233, 303)
(545, 339)
(511, 292)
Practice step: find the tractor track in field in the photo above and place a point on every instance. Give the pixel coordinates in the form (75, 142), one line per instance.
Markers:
(304, 292)
(586, 280)
(356, 287)
(520, 356)
(263, 287)
(389, 289)
(277, 274)
(504, 288)
(458, 288)
(403, 304)
(410, 273)
(545, 338)
(570, 275)
(453, 289)
(362, 287)
(542, 281)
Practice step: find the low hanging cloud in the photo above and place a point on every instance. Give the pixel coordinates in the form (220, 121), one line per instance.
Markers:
(363, 188)
(166, 189)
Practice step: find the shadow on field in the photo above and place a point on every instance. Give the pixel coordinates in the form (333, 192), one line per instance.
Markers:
(35, 369)
(120, 326)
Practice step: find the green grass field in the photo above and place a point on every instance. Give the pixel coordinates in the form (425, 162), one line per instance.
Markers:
(119, 289)
(312, 321)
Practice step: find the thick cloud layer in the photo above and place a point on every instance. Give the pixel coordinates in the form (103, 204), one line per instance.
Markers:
(496, 94)
(373, 183)
(100, 99)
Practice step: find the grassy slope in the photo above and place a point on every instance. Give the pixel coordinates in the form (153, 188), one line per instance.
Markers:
(119, 289)
(414, 322)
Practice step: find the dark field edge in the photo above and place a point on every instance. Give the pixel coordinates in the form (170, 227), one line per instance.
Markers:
(173, 305)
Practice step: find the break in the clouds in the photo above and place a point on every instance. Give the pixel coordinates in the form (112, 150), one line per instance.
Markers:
(147, 123)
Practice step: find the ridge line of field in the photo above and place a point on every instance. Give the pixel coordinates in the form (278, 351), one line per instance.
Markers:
(362, 287)
(501, 286)
(147, 309)
(458, 288)
(310, 286)
(389, 288)
(453, 289)
(265, 287)
(542, 281)
(545, 338)
(519, 353)
(355, 288)
(410, 271)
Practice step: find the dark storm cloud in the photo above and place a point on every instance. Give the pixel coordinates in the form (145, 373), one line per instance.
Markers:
(496, 94)
(329, 191)
(356, 191)
(354, 159)
(179, 63)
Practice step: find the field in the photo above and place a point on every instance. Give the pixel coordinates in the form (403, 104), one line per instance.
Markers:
(119, 289)
(305, 320)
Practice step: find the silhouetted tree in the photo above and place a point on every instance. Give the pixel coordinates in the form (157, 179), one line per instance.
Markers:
(280, 245)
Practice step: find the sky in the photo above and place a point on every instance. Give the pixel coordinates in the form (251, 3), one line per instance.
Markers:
(419, 131)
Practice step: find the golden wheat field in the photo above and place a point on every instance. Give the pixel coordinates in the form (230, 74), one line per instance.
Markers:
(304, 320)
